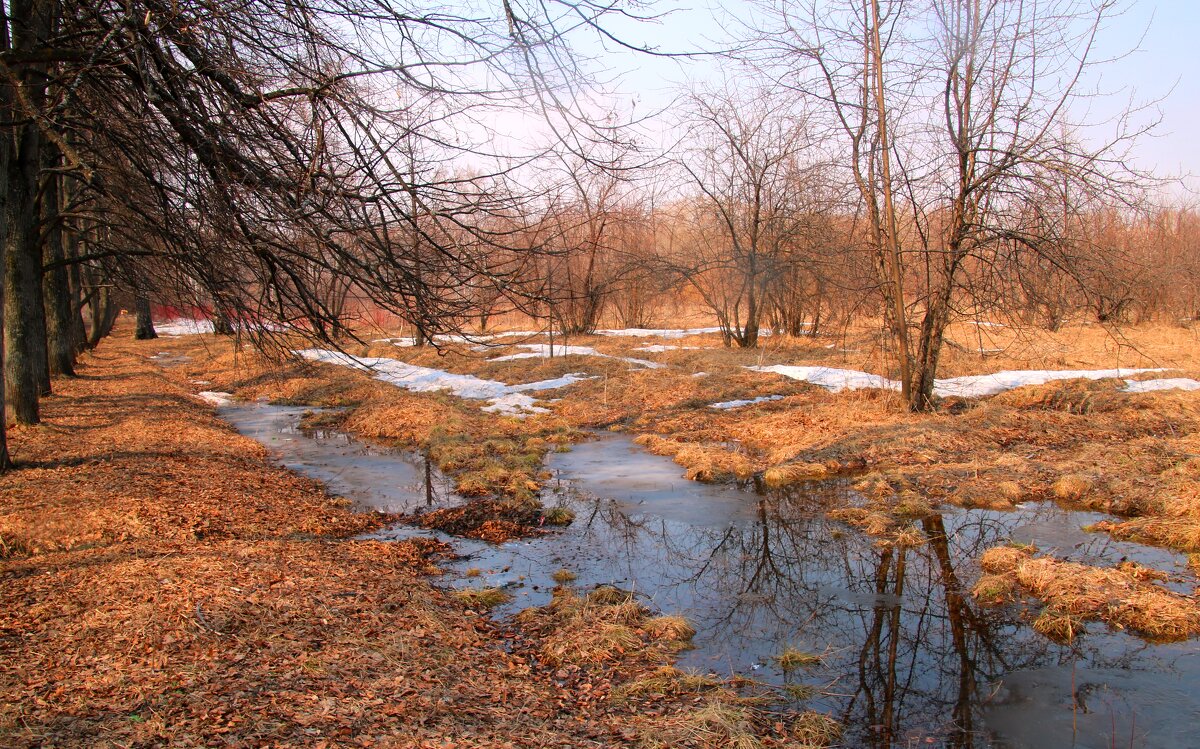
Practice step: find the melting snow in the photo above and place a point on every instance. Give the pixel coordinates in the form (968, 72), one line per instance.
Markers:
(835, 380)
(1170, 383)
(973, 386)
(976, 386)
(215, 397)
(658, 348)
(658, 333)
(503, 398)
(183, 327)
(406, 341)
(542, 351)
(740, 403)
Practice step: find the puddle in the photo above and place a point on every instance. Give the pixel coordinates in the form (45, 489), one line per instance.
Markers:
(908, 658)
(169, 360)
(372, 477)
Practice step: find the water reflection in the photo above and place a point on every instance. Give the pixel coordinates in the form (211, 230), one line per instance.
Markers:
(907, 656)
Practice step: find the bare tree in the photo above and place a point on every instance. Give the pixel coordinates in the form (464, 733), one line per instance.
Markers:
(752, 167)
(957, 118)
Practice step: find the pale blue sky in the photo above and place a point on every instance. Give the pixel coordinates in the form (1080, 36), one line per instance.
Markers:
(1165, 65)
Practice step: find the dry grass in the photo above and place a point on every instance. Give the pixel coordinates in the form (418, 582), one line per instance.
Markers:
(671, 628)
(563, 576)
(172, 587)
(1124, 598)
(590, 631)
(668, 680)
(792, 658)
(482, 598)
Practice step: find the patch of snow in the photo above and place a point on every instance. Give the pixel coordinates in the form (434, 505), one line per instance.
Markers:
(542, 351)
(973, 386)
(658, 332)
(700, 374)
(1169, 383)
(183, 327)
(658, 348)
(986, 324)
(201, 382)
(834, 380)
(215, 397)
(740, 403)
(426, 380)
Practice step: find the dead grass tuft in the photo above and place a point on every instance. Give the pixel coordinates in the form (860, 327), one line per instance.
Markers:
(482, 598)
(813, 730)
(671, 628)
(667, 680)
(1123, 598)
(793, 658)
(1073, 487)
(791, 473)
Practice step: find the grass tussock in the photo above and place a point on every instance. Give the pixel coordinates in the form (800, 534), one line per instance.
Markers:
(482, 598)
(563, 576)
(588, 632)
(558, 516)
(1123, 598)
(793, 658)
(668, 680)
(814, 730)
(1073, 487)
(791, 473)
(670, 628)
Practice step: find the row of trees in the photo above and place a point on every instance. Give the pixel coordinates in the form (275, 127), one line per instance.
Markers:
(267, 161)
(259, 159)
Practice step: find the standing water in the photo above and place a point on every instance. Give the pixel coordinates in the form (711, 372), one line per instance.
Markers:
(907, 657)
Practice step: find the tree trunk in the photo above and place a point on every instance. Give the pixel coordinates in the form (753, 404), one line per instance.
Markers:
(56, 285)
(145, 324)
(221, 323)
(893, 263)
(104, 314)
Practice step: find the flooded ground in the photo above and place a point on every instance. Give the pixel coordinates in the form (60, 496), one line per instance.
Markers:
(907, 657)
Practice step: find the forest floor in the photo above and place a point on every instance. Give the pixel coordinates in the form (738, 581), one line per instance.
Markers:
(162, 582)
(1086, 444)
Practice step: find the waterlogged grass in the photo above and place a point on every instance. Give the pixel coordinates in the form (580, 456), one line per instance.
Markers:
(793, 658)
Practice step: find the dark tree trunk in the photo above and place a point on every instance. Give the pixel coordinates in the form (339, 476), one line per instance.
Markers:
(145, 325)
(221, 323)
(104, 314)
(25, 369)
(56, 284)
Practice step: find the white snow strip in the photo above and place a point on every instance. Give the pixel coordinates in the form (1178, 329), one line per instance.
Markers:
(834, 380)
(973, 386)
(405, 342)
(1170, 383)
(976, 386)
(740, 403)
(198, 327)
(985, 324)
(183, 327)
(503, 398)
(658, 333)
(215, 397)
(658, 348)
(542, 351)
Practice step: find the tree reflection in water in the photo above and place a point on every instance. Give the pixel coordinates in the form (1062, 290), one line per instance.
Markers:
(908, 655)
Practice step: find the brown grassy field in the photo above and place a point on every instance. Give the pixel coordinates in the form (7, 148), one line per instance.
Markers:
(163, 583)
(1081, 443)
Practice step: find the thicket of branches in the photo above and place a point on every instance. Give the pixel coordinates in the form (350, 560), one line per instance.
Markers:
(280, 166)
